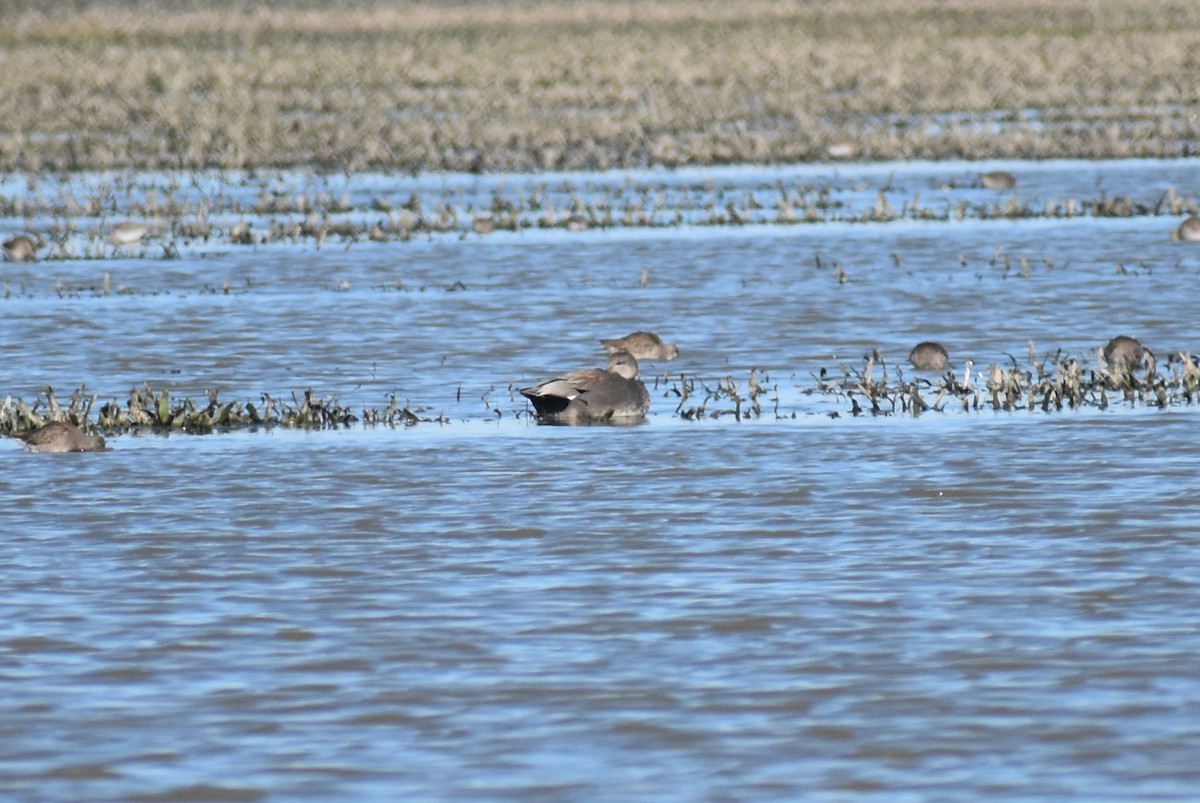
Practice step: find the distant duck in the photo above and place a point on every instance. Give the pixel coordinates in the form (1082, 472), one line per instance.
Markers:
(643, 346)
(928, 356)
(1188, 231)
(998, 180)
(591, 395)
(61, 436)
(127, 232)
(21, 248)
(1125, 354)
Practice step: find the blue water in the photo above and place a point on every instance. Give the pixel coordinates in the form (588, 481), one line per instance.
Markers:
(804, 605)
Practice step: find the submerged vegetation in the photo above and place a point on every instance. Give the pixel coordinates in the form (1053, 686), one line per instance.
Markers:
(1057, 382)
(147, 410)
(585, 84)
(1053, 383)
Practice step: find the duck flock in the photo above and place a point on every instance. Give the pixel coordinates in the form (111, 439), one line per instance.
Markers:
(616, 394)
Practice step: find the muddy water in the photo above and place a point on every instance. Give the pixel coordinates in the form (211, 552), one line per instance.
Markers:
(958, 605)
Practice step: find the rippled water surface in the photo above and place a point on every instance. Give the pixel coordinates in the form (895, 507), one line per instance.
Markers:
(802, 604)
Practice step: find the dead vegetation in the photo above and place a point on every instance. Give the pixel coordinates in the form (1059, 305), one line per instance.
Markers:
(563, 84)
(157, 411)
(73, 216)
(1053, 383)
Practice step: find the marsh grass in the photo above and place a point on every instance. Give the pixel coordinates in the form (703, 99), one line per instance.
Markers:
(522, 86)
(149, 410)
(71, 219)
(1055, 383)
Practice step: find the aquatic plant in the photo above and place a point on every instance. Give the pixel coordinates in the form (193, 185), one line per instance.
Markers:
(1053, 383)
(74, 216)
(1056, 382)
(151, 410)
(746, 404)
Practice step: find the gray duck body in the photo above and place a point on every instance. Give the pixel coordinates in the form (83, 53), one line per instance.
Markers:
(1188, 231)
(128, 232)
(928, 356)
(614, 394)
(998, 180)
(20, 248)
(61, 436)
(1124, 354)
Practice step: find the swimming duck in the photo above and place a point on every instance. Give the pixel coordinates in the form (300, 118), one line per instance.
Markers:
(643, 346)
(61, 436)
(581, 397)
(928, 356)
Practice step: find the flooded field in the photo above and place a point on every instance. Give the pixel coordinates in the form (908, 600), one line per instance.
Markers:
(791, 581)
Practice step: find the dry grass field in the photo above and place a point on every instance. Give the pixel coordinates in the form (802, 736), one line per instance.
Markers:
(585, 84)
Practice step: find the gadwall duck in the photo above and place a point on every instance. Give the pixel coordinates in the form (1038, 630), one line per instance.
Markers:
(582, 397)
(61, 436)
(1188, 231)
(928, 356)
(998, 180)
(20, 248)
(1125, 354)
(643, 346)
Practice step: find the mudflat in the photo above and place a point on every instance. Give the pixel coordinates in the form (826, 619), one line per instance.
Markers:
(557, 84)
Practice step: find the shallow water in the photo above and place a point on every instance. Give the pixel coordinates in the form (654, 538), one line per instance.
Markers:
(959, 605)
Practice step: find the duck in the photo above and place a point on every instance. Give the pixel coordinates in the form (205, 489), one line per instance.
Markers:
(127, 232)
(998, 180)
(643, 346)
(61, 436)
(611, 394)
(1124, 354)
(928, 356)
(21, 248)
(1188, 231)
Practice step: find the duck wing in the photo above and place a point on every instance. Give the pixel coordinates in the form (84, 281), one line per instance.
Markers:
(568, 386)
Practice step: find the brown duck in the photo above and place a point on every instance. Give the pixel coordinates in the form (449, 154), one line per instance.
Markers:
(61, 436)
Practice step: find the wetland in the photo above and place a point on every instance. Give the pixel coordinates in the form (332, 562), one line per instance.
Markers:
(297, 264)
